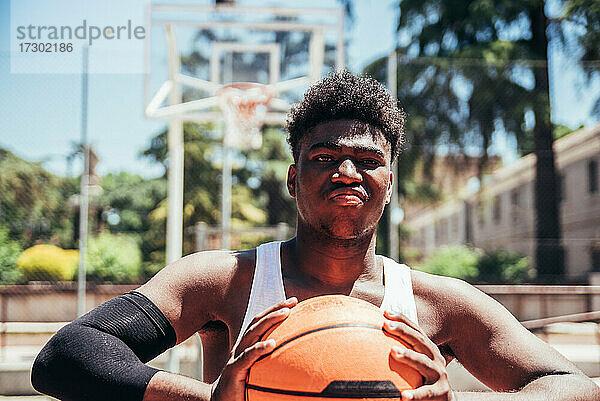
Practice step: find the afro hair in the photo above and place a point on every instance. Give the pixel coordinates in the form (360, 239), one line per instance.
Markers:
(342, 95)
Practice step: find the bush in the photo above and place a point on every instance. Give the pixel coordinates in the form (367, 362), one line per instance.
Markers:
(114, 258)
(476, 266)
(9, 253)
(453, 261)
(503, 267)
(48, 262)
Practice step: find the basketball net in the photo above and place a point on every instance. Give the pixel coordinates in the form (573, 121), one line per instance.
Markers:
(244, 106)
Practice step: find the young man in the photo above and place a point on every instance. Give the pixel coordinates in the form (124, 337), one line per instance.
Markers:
(344, 136)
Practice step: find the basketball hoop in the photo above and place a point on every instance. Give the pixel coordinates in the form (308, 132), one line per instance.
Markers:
(244, 105)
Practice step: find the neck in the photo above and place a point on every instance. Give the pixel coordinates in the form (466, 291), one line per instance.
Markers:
(332, 262)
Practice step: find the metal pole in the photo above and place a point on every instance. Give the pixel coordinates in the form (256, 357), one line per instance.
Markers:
(175, 192)
(394, 208)
(226, 197)
(83, 199)
(340, 56)
(227, 156)
(201, 235)
(175, 175)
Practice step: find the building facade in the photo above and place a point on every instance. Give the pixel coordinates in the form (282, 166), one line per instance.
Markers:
(501, 214)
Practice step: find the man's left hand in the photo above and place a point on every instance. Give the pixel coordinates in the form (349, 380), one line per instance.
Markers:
(425, 357)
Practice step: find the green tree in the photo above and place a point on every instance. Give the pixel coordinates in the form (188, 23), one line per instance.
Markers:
(258, 176)
(453, 261)
(583, 17)
(503, 267)
(125, 207)
(114, 258)
(9, 253)
(271, 163)
(462, 78)
(32, 202)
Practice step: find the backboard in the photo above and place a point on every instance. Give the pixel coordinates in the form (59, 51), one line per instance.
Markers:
(193, 51)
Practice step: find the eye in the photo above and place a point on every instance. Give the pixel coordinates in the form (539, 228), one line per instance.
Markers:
(323, 158)
(370, 162)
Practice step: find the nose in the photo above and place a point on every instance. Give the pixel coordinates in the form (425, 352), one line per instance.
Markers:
(346, 173)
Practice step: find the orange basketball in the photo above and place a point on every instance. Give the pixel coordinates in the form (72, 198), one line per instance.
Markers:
(331, 347)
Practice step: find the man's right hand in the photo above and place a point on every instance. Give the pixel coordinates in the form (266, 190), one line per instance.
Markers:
(231, 383)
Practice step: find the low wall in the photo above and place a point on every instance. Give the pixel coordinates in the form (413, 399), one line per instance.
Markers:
(51, 302)
(58, 302)
(20, 342)
(529, 302)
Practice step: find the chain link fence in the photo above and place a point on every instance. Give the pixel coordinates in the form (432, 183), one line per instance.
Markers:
(476, 130)
(464, 117)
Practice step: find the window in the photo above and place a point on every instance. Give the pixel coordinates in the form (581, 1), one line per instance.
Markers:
(595, 257)
(468, 222)
(481, 213)
(444, 230)
(455, 224)
(514, 197)
(515, 204)
(592, 176)
(497, 208)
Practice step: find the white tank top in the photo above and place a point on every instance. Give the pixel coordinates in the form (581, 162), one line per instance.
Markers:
(267, 285)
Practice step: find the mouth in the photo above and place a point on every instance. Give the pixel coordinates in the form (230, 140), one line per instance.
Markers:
(348, 196)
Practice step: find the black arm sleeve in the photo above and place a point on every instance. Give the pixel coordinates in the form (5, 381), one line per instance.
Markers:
(101, 355)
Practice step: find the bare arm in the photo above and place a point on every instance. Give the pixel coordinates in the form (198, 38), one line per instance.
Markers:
(491, 344)
(103, 353)
(500, 352)
(191, 293)
(230, 385)
(188, 293)
(572, 387)
(169, 386)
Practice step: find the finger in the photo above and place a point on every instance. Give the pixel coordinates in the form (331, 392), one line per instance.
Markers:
(417, 340)
(256, 331)
(264, 321)
(399, 317)
(433, 392)
(246, 359)
(425, 366)
(261, 326)
(288, 303)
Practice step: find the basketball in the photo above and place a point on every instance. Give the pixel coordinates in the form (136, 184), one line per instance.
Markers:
(330, 347)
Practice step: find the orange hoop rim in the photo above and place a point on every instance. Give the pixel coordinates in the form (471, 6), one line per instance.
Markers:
(244, 87)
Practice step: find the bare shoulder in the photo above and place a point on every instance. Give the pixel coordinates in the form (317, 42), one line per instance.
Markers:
(195, 289)
(453, 303)
(437, 292)
(483, 335)
(441, 301)
(447, 293)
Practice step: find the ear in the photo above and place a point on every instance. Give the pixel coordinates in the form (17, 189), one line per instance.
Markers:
(388, 194)
(291, 180)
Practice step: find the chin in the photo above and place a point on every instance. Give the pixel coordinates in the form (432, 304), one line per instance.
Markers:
(345, 232)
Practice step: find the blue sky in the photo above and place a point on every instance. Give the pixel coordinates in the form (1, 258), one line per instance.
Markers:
(41, 113)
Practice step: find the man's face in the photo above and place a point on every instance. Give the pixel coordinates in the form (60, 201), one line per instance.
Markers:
(342, 179)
